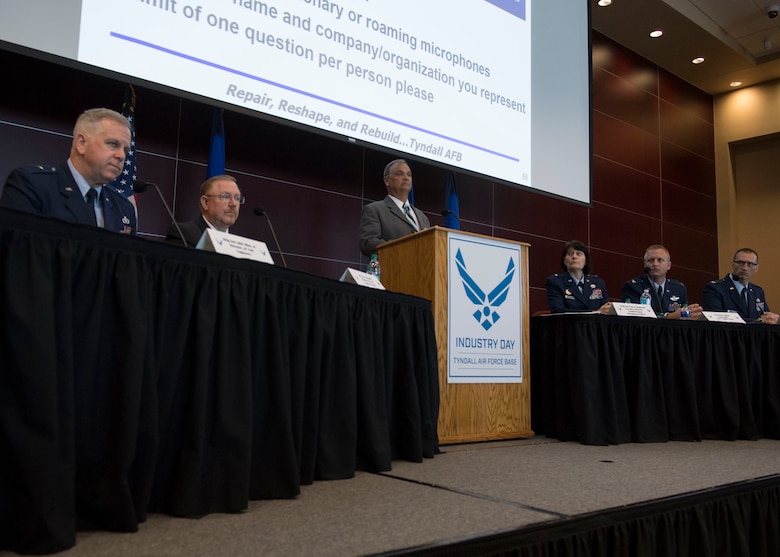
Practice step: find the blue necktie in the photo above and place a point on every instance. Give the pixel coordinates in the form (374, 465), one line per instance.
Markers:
(91, 196)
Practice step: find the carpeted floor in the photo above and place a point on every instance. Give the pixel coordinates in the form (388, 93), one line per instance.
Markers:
(470, 491)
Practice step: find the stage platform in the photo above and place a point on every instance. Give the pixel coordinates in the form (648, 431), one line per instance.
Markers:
(534, 496)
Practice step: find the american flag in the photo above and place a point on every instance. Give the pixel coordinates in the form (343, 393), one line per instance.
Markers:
(124, 182)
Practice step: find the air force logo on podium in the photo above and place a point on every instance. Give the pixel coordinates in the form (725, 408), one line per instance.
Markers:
(486, 315)
(484, 333)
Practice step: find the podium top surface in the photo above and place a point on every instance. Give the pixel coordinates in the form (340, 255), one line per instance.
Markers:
(443, 230)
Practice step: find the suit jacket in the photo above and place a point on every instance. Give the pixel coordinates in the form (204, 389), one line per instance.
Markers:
(51, 191)
(675, 293)
(563, 294)
(382, 221)
(192, 231)
(722, 295)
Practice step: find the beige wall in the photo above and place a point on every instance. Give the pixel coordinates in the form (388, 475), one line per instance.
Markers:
(747, 171)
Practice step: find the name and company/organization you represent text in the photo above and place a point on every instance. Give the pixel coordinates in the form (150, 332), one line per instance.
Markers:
(353, 67)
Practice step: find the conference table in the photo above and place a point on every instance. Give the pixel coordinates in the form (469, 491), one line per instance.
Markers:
(140, 377)
(607, 380)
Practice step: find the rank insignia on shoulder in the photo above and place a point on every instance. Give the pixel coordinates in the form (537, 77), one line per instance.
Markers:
(43, 168)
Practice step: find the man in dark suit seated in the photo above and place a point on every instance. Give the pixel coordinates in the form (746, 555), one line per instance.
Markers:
(736, 293)
(394, 216)
(220, 203)
(667, 296)
(76, 190)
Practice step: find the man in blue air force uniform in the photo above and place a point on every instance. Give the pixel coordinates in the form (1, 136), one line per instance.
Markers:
(76, 191)
(667, 296)
(736, 293)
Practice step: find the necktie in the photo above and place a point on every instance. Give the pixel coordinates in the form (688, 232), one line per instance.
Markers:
(581, 287)
(661, 294)
(745, 299)
(408, 211)
(91, 196)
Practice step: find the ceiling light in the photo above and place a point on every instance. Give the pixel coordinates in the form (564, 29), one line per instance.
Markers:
(698, 60)
(735, 83)
(657, 33)
(603, 3)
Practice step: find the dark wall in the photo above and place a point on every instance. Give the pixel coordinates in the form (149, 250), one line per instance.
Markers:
(653, 172)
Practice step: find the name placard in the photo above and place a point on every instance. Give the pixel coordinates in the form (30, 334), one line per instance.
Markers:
(723, 316)
(632, 310)
(234, 245)
(353, 276)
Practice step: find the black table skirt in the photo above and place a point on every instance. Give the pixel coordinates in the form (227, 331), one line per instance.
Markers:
(608, 380)
(140, 377)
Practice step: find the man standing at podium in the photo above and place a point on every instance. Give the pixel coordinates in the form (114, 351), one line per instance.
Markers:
(394, 216)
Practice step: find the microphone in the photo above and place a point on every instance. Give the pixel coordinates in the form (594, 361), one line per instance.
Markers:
(260, 212)
(447, 212)
(139, 186)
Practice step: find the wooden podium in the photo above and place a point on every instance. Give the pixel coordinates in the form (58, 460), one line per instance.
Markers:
(418, 265)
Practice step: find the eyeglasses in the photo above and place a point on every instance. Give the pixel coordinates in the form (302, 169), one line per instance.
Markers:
(226, 197)
(743, 263)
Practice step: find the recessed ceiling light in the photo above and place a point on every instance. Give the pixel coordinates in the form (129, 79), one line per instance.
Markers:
(603, 3)
(698, 60)
(735, 83)
(657, 33)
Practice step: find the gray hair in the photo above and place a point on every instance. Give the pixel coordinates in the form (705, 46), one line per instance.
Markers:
(391, 164)
(89, 119)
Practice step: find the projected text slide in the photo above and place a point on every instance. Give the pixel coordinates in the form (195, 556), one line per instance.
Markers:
(388, 73)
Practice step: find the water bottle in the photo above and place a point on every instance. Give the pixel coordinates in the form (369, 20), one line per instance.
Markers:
(685, 313)
(645, 297)
(373, 266)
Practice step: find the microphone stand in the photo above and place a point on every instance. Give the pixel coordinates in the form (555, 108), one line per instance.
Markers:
(259, 211)
(140, 187)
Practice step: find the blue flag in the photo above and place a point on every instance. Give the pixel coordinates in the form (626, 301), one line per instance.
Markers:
(217, 148)
(124, 182)
(452, 219)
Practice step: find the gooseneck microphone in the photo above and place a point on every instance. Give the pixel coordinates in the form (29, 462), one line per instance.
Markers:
(260, 212)
(447, 212)
(139, 186)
